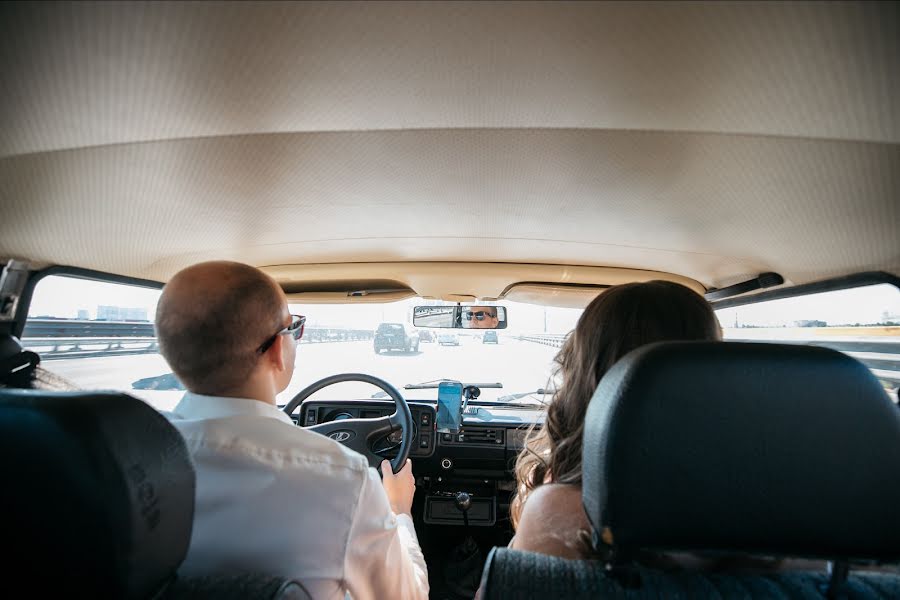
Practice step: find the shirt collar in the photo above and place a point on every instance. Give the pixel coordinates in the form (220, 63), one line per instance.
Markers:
(198, 406)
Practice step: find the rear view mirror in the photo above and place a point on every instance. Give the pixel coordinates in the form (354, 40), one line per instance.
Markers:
(460, 317)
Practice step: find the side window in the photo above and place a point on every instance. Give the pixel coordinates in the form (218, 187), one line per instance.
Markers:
(862, 322)
(99, 335)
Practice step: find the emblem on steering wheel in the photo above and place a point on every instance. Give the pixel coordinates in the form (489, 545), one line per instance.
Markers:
(341, 436)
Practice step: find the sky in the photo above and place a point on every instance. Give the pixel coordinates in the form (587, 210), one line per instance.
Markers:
(63, 297)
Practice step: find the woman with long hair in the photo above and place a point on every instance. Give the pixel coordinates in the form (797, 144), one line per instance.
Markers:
(546, 510)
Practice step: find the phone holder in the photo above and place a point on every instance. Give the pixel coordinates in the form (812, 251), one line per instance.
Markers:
(470, 392)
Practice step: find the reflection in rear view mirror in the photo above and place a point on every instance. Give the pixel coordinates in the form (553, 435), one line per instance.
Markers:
(442, 317)
(482, 317)
(460, 317)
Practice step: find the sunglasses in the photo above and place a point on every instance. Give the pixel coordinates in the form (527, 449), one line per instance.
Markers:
(480, 315)
(295, 329)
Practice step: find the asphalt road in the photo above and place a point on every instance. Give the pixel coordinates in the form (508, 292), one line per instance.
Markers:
(520, 366)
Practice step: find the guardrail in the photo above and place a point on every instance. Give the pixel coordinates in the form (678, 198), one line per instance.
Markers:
(63, 328)
(881, 356)
(336, 335)
(553, 340)
(84, 347)
(57, 338)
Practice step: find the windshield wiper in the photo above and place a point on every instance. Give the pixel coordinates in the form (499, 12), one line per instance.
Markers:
(537, 392)
(435, 383)
(430, 385)
(477, 403)
(425, 385)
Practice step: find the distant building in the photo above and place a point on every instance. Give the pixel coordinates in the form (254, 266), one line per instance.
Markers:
(119, 313)
(83, 315)
(135, 314)
(108, 313)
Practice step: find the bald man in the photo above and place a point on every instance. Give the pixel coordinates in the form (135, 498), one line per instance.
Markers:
(272, 497)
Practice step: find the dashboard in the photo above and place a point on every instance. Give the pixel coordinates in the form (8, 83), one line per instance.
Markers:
(489, 438)
(479, 459)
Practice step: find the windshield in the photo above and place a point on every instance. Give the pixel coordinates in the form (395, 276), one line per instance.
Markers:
(100, 335)
(520, 358)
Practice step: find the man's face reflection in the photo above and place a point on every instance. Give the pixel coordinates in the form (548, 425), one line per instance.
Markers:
(480, 317)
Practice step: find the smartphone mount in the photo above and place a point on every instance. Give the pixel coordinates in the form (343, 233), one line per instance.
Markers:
(470, 392)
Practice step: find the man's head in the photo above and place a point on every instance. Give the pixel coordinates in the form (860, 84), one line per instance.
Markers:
(480, 317)
(215, 322)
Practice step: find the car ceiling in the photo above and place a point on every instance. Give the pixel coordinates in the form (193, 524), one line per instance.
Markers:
(714, 141)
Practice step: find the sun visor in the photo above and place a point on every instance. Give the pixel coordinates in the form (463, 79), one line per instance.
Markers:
(565, 296)
(378, 297)
(348, 291)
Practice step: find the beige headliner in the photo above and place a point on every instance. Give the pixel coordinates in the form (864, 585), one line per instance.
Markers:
(560, 285)
(713, 141)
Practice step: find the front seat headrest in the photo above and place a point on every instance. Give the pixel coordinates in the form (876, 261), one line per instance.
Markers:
(754, 448)
(98, 494)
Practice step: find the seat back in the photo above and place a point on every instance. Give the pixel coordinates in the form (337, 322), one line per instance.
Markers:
(732, 449)
(99, 502)
(752, 448)
(514, 574)
(99, 494)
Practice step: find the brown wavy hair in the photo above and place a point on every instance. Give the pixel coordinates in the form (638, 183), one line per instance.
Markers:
(620, 319)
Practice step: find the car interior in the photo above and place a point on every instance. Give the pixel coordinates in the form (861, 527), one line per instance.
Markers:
(441, 188)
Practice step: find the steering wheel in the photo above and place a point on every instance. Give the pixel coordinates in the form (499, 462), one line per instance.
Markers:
(363, 431)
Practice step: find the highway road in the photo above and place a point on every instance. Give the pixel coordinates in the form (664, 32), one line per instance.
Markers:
(520, 366)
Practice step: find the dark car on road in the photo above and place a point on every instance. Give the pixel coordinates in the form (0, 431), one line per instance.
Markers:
(490, 337)
(396, 336)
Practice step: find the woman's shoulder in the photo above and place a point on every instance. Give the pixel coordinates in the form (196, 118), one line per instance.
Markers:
(553, 522)
(549, 494)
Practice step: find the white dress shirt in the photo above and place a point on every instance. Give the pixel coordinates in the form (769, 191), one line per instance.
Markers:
(274, 498)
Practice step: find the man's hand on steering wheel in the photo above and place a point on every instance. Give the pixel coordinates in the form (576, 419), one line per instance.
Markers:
(400, 487)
